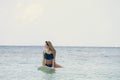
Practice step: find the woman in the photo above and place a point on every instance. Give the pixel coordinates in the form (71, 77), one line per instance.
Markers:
(49, 56)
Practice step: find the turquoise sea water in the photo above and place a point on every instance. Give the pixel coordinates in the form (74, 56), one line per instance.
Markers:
(80, 63)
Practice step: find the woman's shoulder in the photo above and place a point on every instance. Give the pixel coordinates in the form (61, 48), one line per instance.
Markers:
(50, 52)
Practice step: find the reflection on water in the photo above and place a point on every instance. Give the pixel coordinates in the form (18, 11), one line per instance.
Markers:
(57, 75)
(46, 69)
(48, 76)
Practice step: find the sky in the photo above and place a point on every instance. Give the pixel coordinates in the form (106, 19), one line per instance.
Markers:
(63, 22)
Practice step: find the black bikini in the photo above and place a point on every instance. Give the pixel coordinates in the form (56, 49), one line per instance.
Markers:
(48, 57)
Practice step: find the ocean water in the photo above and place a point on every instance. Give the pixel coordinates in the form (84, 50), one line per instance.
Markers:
(80, 63)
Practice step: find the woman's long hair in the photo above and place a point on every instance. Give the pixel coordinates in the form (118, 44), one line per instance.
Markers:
(51, 48)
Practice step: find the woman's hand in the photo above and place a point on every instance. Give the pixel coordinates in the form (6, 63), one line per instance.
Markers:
(53, 67)
(42, 65)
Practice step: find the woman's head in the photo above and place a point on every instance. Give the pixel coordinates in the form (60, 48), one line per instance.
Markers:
(46, 44)
(49, 46)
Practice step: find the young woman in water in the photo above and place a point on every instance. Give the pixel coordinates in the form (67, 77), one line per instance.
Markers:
(49, 56)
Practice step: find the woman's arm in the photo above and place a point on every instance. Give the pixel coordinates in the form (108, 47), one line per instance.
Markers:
(53, 61)
(43, 59)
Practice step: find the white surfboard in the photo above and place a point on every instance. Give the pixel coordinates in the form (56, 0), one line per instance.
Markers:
(46, 69)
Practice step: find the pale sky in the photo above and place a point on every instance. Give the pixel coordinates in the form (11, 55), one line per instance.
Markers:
(64, 22)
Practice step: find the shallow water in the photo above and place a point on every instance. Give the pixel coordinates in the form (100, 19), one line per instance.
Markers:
(80, 63)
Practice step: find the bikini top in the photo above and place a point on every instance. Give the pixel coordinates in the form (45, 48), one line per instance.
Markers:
(48, 56)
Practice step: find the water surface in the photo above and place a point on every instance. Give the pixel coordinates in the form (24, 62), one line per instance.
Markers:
(80, 63)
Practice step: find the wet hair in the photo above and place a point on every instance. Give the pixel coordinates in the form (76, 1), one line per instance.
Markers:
(49, 44)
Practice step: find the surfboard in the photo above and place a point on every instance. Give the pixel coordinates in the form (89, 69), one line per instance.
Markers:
(46, 69)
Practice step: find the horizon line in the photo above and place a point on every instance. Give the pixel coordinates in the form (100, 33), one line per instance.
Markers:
(60, 45)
